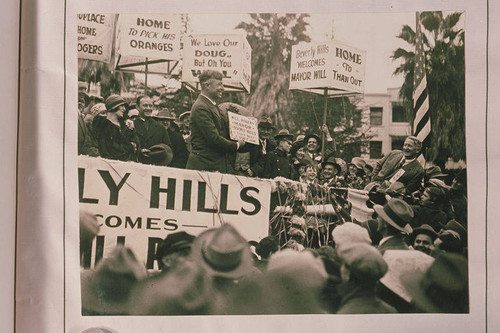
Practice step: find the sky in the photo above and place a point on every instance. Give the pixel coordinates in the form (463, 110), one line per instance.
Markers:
(373, 32)
(376, 33)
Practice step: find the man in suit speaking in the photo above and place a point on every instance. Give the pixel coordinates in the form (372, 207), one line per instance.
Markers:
(212, 150)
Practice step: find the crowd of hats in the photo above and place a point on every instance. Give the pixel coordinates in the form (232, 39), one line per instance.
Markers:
(222, 273)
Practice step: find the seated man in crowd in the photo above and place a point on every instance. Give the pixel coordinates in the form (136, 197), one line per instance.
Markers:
(401, 166)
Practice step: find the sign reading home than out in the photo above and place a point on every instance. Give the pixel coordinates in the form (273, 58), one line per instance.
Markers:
(229, 54)
(149, 36)
(333, 65)
(138, 205)
(95, 36)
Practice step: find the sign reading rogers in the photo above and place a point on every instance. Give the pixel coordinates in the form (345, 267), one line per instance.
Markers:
(95, 34)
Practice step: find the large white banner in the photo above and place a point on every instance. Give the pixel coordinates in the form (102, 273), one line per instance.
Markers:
(139, 205)
(330, 64)
(149, 35)
(95, 36)
(229, 54)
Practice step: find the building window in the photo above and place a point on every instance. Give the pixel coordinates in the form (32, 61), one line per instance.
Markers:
(356, 118)
(397, 142)
(375, 149)
(352, 149)
(376, 116)
(399, 114)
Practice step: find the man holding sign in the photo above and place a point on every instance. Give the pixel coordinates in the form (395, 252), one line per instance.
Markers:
(212, 150)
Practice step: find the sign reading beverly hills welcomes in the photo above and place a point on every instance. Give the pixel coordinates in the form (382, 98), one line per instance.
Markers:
(331, 64)
(138, 205)
(149, 35)
(95, 36)
(229, 54)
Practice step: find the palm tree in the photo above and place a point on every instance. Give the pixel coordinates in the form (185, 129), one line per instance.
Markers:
(445, 65)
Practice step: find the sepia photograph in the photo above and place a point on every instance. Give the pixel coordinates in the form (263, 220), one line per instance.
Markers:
(272, 163)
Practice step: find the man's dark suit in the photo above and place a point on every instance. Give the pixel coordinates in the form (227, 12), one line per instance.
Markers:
(211, 148)
(390, 164)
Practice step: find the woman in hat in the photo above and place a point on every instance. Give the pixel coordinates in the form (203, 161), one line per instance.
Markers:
(355, 177)
(115, 140)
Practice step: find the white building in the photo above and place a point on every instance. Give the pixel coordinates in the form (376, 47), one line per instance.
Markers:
(385, 120)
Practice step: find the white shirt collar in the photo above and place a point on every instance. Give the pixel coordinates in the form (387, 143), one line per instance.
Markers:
(211, 101)
(383, 240)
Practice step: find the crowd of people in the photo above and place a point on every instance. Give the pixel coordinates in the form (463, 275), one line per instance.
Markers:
(220, 272)
(411, 256)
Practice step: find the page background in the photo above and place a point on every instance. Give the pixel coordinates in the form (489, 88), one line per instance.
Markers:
(9, 21)
(475, 117)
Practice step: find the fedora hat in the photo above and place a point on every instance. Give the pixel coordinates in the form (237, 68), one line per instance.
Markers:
(296, 145)
(358, 162)
(283, 134)
(457, 227)
(397, 213)
(185, 290)
(174, 242)
(160, 154)
(424, 229)
(106, 289)
(165, 114)
(223, 252)
(333, 161)
(434, 172)
(184, 115)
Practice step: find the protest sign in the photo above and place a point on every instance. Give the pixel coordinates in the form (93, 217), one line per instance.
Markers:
(139, 205)
(95, 36)
(243, 128)
(229, 54)
(149, 35)
(332, 65)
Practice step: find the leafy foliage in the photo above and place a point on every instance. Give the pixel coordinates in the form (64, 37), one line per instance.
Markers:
(271, 37)
(96, 71)
(445, 64)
